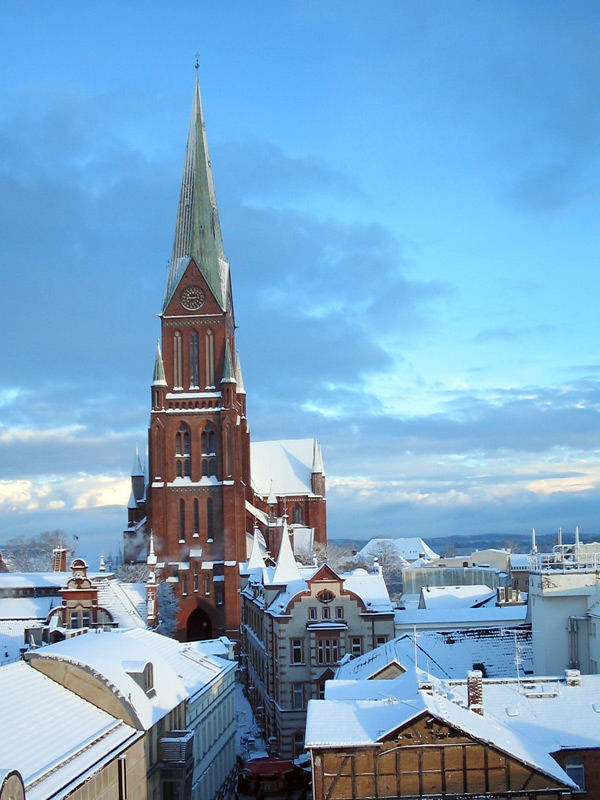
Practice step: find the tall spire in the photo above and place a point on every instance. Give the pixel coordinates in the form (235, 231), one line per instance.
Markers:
(198, 230)
(159, 369)
(317, 465)
(137, 469)
(256, 560)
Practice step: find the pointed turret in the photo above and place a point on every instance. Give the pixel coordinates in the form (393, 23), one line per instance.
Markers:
(151, 586)
(317, 478)
(238, 375)
(286, 569)
(137, 470)
(159, 378)
(228, 371)
(256, 560)
(198, 231)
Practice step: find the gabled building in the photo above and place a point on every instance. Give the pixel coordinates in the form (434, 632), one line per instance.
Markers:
(298, 623)
(198, 498)
(416, 736)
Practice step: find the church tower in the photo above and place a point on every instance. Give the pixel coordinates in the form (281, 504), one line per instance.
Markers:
(199, 442)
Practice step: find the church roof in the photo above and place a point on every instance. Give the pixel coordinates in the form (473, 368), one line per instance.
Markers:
(198, 230)
(282, 467)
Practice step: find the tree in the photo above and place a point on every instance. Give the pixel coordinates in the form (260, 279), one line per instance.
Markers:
(168, 608)
(34, 553)
(391, 563)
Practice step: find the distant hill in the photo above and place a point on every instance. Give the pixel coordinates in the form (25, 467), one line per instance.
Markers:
(449, 545)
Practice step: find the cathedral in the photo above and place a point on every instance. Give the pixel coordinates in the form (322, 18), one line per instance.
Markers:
(205, 490)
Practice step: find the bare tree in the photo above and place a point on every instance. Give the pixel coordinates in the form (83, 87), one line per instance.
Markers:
(34, 553)
(391, 563)
(132, 573)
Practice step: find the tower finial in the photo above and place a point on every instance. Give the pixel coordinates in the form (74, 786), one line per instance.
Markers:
(197, 64)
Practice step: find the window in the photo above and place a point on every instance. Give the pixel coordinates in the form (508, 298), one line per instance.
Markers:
(325, 596)
(312, 613)
(339, 612)
(297, 515)
(575, 769)
(328, 651)
(210, 359)
(177, 361)
(298, 743)
(195, 577)
(182, 520)
(194, 365)
(122, 777)
(196, 517)
(219, 594)
(207, 583)
(326, 612)
(297, 695)
(208, 441)
(356, 645)
(183, 580)
(380, 640)
(73, 619)
(297, 651)
(209, 519)
(183, 451)
(86, 619)
(227, 451)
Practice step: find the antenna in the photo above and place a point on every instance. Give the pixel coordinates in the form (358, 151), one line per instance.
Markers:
(518, 659)
(415, 641)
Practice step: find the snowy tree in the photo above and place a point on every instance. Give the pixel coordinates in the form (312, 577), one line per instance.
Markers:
(391, 563)
(34, 553)
(132, 573)
(168, 608)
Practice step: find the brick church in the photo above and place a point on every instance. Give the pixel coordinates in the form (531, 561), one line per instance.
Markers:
(205, 489)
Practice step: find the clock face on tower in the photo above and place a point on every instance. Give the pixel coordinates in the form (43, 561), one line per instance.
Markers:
(192, 298)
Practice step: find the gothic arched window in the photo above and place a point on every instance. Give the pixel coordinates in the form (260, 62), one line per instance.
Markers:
(209, 519)
(196, 517)
(194, 362)
(227, 445)
(210, 358)
(182, 520)
(297, 515)
(177, 361)
(183, 451)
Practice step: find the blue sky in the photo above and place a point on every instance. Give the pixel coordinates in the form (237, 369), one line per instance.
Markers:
(408, 194)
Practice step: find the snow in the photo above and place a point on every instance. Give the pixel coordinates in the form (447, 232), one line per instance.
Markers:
(455, 596)
(282, 467)
(448, 654)
(180, 670)
(456, 617)
(371, 588)
(286, 569)
(364, 722)
(12, 638)
(410, 548)
(82, 735)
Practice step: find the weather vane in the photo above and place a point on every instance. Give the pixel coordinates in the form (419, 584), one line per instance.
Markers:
(197, 64)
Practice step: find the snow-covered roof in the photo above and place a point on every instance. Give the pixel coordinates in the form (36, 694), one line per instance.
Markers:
(455, 596)
(494, 615)
(34, 580)
(125, 601)
(408, 548)
(67, 736)
(369, 586)
(354, 723)
(282, 467)
(12, 639)
(519, 561)
(179, 670)
(449, 654)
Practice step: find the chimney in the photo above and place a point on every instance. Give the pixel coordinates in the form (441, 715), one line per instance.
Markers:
(59, 559)
(573, 677)
(475, 691)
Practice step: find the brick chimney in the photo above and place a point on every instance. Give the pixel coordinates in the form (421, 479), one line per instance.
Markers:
(475, 691)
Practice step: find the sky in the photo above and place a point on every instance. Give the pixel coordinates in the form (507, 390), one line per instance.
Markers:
(408, 194)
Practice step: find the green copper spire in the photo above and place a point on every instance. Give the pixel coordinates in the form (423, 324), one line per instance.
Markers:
(228, 371)
(198, 231)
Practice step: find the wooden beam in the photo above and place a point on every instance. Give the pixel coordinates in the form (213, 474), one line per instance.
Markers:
(336, 777)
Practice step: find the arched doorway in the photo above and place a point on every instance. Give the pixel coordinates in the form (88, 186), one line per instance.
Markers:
(198, 626)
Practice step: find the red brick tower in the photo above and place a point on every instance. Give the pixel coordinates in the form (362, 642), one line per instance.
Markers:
(199, 442)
